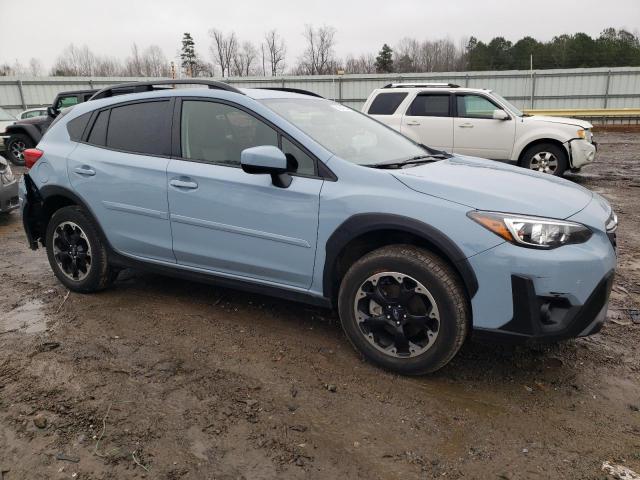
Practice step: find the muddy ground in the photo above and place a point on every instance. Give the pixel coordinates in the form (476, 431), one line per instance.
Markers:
(167, 379)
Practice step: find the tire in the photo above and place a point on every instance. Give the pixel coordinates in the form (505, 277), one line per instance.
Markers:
(72, 227)
(430, 289)
(546, 158)
(17, 143)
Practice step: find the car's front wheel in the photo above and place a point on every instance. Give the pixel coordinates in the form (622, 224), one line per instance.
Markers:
(546, 158)
(16, 145)
(76, 252)
(404, 308)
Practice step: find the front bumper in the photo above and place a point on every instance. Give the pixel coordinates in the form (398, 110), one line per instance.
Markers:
(9, 197)
(541, 319)
(582, 152)
(529, 295)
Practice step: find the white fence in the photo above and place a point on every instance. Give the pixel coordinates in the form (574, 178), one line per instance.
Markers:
(583, 88)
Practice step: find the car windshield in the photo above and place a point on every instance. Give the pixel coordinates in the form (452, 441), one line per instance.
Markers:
(345, 132)
(5, 116)
(515, 110)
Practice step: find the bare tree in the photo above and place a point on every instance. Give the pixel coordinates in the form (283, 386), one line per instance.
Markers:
(223, 49)
(277, 51)
(35, 67)
(365, 63)
(244, 59)
(75, 61)
(318, 57)
(441, 55)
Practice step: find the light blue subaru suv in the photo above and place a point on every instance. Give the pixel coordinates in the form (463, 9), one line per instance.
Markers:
(284, 193)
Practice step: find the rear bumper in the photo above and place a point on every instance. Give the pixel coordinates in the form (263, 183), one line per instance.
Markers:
(545, 319)
(9, 197)
(32, 211)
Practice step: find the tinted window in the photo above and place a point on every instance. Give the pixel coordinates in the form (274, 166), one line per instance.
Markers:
(217, 133)
(140, 128)
(386, 103)
(76, 126)
(98, 134)
(297, 160)
(65, 102)
(429, 106)
(475, 106)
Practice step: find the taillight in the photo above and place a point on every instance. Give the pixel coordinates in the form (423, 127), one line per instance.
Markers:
(31, 156)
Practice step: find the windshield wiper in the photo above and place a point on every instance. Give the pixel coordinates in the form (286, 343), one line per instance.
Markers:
(417, 160)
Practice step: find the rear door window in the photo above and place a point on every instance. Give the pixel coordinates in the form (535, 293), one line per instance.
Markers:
(386, 103)
(436, 105)
(140, 128)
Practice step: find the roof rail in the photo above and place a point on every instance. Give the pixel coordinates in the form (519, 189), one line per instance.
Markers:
(292, 90)
(148, 86)
(421, 85)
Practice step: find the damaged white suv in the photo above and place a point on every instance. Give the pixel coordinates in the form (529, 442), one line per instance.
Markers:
(481, 123)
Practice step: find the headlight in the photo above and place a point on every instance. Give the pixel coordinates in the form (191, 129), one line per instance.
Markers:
(532, 232)
(585, 134)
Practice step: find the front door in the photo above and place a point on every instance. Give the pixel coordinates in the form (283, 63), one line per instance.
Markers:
(230, 222)
(475, 131)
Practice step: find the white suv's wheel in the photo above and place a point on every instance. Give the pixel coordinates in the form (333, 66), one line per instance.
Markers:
(545, 158)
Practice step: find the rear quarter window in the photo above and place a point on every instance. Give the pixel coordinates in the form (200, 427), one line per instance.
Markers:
(76, 126)
(386, 103)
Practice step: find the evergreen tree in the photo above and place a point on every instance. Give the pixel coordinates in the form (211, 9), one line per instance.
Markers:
(188, 56)
(384, 60)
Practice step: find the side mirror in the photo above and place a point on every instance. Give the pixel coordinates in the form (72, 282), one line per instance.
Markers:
(500, 115)
(52, 112)
(266, 160)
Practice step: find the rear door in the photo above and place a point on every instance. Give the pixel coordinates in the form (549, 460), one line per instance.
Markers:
(428, 120)
(230, 222)
(476, 133)
(119, 170)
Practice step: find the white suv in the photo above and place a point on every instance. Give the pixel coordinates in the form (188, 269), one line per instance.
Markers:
(481, 123)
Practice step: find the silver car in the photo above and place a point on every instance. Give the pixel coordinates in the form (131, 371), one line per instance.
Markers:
(8, 188)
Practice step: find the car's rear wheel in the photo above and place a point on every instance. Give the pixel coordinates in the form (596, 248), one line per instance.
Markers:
(404, 309)
(546, 158)
(76, 251)
(17, 144)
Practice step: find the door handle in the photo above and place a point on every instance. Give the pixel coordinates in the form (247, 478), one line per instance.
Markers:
(190, 185)
(412, 123)
(466, 125)
(85, 170)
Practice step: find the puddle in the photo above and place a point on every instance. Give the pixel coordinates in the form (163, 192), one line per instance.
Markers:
(28, 318)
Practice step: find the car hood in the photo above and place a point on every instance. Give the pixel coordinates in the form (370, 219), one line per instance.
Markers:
(494, 186)
(562, 120)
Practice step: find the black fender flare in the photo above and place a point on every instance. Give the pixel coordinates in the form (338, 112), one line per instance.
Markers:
(30, 130)
(360, 224)
(48, 191)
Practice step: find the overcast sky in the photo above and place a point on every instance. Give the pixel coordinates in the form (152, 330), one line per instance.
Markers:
(42, 28)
